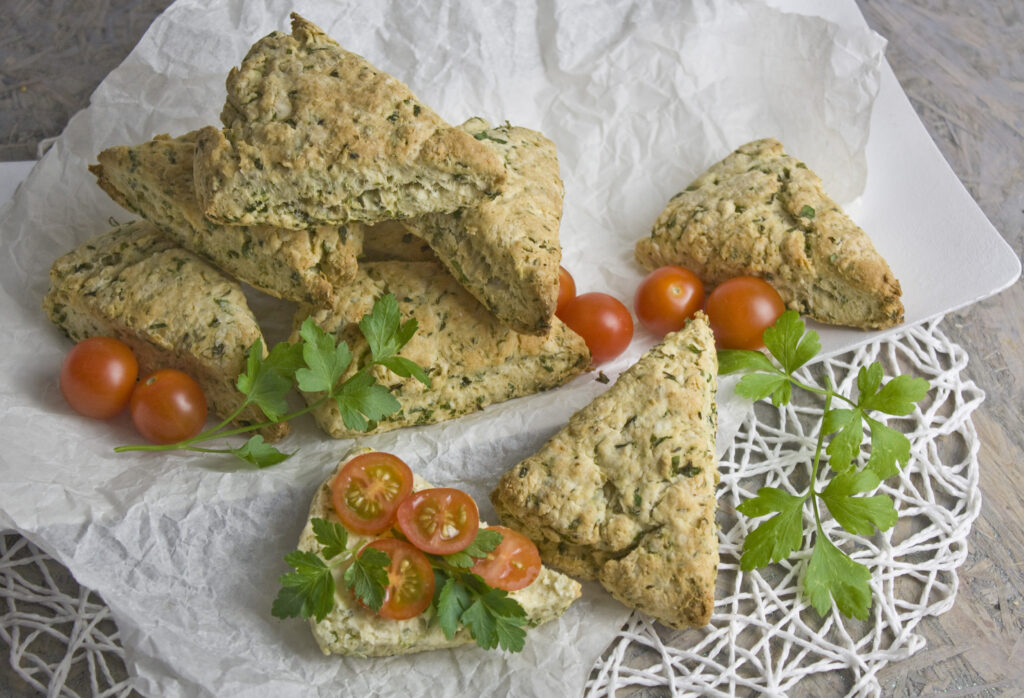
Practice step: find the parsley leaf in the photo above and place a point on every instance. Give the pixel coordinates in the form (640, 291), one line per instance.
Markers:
(266, 381)
(367, 576)
(383, 329)
(757, 386)
(833, 575)
(845, 445)
(306, 592)
(789, 343)
(333, 536)
(486, 540)
(361, 400)
(494, 620)
(325, 362)
(451, 604)
(898, 396)
(260, 453)
(890, 450)
(735, 360)
(776, 538)
(860, 515)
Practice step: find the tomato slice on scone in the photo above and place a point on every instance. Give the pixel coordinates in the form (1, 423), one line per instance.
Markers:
(410, 587)
(513, 565)
(366, 492)
(440, 521)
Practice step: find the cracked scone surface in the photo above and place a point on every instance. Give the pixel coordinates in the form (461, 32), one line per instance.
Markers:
(316, 134)
(352, 629)
(172, 308)
(472, 359)
(155, 180)
(506, 250)
(626, 491)
(762, 212)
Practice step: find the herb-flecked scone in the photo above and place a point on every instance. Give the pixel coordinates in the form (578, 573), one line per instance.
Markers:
(762, 212)
(390, 240)
(172, 308)
(155, 180)
(505, 251)
(471, 358)
(626, 491)
(316, 134)
(352, 629)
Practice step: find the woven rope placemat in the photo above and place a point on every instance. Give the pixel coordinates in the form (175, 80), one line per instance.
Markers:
(763, 637)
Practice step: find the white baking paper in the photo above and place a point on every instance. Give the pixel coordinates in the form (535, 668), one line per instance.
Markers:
(186, 549)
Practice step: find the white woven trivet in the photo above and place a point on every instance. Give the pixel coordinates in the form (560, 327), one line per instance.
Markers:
(763, 637)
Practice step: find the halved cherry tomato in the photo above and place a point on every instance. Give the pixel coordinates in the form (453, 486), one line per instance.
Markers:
(513, 565)
(168, 406)
(367, 490)
(603, 321)
(667, 298)
(98, 375)
(566, 289)
(410, 579)
(440, 521)
(740, 310)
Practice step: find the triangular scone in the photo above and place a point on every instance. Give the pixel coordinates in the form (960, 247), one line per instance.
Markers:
(155, 180)
(352, 629)
(506, 251)
(472, 359)
(762, 212)
(172, 308)
(626, 491)
(315, 134)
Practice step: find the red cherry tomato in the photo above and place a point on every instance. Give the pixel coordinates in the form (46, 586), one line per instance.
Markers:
(566, 289)
(168, 406)
(440, 521)
(603, 321)
(98, 375)
(740, 309)
(410, 586)
(367, 490)
(667, 298)
(513, 565)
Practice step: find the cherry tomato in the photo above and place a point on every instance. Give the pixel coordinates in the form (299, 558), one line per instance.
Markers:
(566, 289)
(667, 298)
(168, 406)
(740, 309)
(604, 323)
(367, 490)
(440, 521)
(513, 565)
(98, 375)
(410, 586)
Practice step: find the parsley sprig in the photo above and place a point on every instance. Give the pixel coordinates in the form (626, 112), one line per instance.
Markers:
(831, 574)
(461, 598)
(316, 363)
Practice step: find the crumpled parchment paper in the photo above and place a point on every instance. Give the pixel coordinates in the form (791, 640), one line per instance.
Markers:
(186, 549)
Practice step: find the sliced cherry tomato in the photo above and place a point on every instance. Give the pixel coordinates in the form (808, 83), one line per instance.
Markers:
(603, 321)
(98, 375)
(566, 289)
(667, 298)
(168, 406)
(513, 565)
(740, 309)
(410, 579)
(367, 490)
(440, 521)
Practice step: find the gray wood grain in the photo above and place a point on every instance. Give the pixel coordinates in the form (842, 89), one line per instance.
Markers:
(961, 64)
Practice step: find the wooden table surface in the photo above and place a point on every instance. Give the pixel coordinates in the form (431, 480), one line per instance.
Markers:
(961, 64)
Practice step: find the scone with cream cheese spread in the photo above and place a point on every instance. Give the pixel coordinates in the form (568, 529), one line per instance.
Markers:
(472, 359)
(316, 134)
(172, 308)
(626, 491)
(155, 180)
(352, 629)
(762, 212)
(505, 251)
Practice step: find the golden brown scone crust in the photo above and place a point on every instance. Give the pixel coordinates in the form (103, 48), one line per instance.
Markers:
(314, 133)
(173, 309)
(626, 491)
(762, 212)
(506, 251)
(155, 180)
(472, 359)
